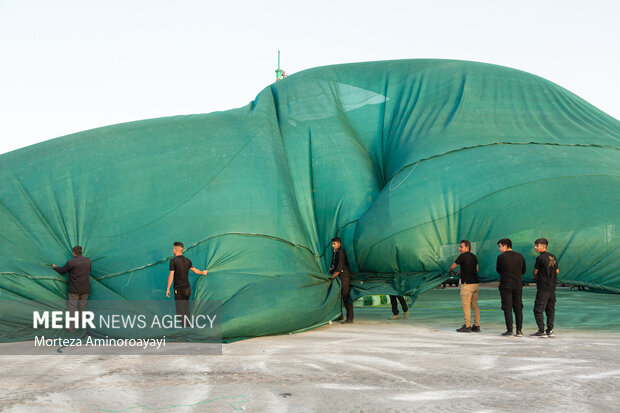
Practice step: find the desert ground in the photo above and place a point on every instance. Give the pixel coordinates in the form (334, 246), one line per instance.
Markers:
(374, 365)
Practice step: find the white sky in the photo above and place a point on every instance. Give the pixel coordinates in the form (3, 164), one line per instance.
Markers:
(67, 66)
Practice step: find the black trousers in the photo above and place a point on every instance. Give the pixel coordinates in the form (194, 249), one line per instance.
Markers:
(545, 302)
(181, 302)
(511, 301)
(344, 290)
(402, 301)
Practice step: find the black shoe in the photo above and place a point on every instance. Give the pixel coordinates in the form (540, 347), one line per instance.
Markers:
(339, 318)
(476, 329)
(507, 333)
(539, 333)
(519, 333)
(464, 329)
(550, 334)
(347, 322)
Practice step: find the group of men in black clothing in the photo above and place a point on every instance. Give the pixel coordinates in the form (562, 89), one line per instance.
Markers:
(340, 268)
(511, 267)
(79, 281)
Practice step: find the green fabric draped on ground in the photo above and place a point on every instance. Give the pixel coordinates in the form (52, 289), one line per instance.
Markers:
(401, 159)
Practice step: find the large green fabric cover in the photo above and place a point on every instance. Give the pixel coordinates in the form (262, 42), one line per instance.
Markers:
(401, 159)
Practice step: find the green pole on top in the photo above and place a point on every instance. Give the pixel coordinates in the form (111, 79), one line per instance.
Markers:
(278, 70)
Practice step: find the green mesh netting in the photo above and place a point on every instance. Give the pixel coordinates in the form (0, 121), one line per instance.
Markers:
(401, 159)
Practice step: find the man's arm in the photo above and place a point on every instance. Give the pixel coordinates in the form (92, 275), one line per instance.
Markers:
(199, 272)
(62, 270)
(331, 268)
(170, 279)
(336, 271)
(458, 261)
(535, 273)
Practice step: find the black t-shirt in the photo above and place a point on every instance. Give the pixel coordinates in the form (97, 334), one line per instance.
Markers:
(180, 265)
(511, 267)
(468, 262)
(547, 277)
(79, 274)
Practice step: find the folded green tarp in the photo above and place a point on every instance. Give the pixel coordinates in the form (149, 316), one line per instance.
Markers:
(401, 159)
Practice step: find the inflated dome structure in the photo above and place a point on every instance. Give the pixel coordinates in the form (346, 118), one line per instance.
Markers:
(401, 159)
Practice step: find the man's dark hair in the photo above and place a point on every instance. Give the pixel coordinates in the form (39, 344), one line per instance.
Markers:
(505, 242)
(336, 239)
(542, 241)
(77, 250)
(178, 244)
(467, 244)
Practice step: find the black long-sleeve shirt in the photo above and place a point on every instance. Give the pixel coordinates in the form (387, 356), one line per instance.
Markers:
(79, 274)
(510, 267)
(340, 263)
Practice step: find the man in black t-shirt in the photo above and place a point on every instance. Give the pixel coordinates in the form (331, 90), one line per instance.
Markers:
(340, 267)
(511, 267)
(469, 286)
(546, 275)
(179, 273)
(79, 281)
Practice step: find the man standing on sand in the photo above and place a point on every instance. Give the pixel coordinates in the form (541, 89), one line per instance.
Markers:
(79, 281)
(179, 273)
(340, 267)
(546, 275)
(470, 286)
(511, 267)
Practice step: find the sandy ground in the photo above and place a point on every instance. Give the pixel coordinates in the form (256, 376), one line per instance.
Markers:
(374, 365)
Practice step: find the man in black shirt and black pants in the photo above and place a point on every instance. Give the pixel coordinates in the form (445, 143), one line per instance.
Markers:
(511, 267)
(179, 272)
(469, 286)
(340, 267)
(546, 275)
(79, 281)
